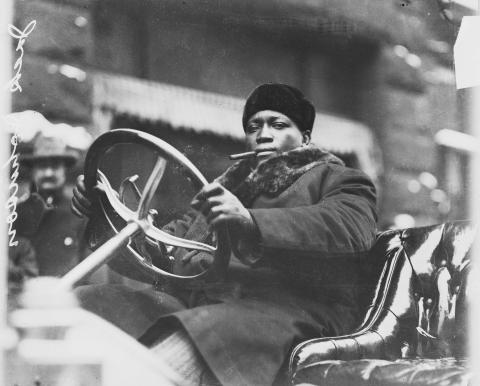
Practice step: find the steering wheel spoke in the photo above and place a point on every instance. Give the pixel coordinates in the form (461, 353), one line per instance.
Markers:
(174, 241)
(150, 187)
(122, 210)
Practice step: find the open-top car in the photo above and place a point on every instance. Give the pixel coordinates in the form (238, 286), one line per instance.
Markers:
(412, 289)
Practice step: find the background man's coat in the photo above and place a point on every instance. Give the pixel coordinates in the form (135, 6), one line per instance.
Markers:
(57, 236)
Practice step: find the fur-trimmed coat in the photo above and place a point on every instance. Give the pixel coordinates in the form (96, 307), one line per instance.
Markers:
(316, 220)
(304, 202)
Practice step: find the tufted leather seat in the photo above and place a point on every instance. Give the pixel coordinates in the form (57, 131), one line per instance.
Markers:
(414, 327)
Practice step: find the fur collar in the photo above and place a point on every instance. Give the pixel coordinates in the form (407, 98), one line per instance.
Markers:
(274, 175)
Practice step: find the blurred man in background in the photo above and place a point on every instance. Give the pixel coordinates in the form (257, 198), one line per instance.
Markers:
(45, 217)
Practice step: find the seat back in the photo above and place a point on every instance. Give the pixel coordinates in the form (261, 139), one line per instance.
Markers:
(423, 282)
(414, 295)
(440, 258)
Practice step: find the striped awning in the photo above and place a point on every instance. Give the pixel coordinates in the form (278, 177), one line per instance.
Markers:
(205, 112)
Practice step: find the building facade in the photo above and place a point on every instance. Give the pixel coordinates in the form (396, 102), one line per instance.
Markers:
(380, 74)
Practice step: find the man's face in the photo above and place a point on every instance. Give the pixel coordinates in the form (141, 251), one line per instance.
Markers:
(49, 174)
(267, 129)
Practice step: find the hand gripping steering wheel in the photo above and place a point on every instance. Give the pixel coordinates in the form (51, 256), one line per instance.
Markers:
(124, 222)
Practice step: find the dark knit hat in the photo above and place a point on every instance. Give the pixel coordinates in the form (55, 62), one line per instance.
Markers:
(282, 98)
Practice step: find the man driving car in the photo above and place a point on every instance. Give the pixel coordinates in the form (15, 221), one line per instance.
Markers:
(300, 222)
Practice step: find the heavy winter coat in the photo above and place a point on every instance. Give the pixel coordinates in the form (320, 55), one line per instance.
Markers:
(316, 220)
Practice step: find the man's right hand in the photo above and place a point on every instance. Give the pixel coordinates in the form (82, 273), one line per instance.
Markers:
(81, 205)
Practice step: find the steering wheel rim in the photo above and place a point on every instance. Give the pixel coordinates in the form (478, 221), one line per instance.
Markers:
(113, 213)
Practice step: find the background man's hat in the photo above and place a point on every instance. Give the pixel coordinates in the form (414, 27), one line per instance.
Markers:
(49, 147)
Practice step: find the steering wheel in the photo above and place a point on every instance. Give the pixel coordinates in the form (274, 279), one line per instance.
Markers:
(117, 215)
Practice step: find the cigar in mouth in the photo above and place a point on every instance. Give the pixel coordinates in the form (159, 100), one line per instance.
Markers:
(249, 154)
